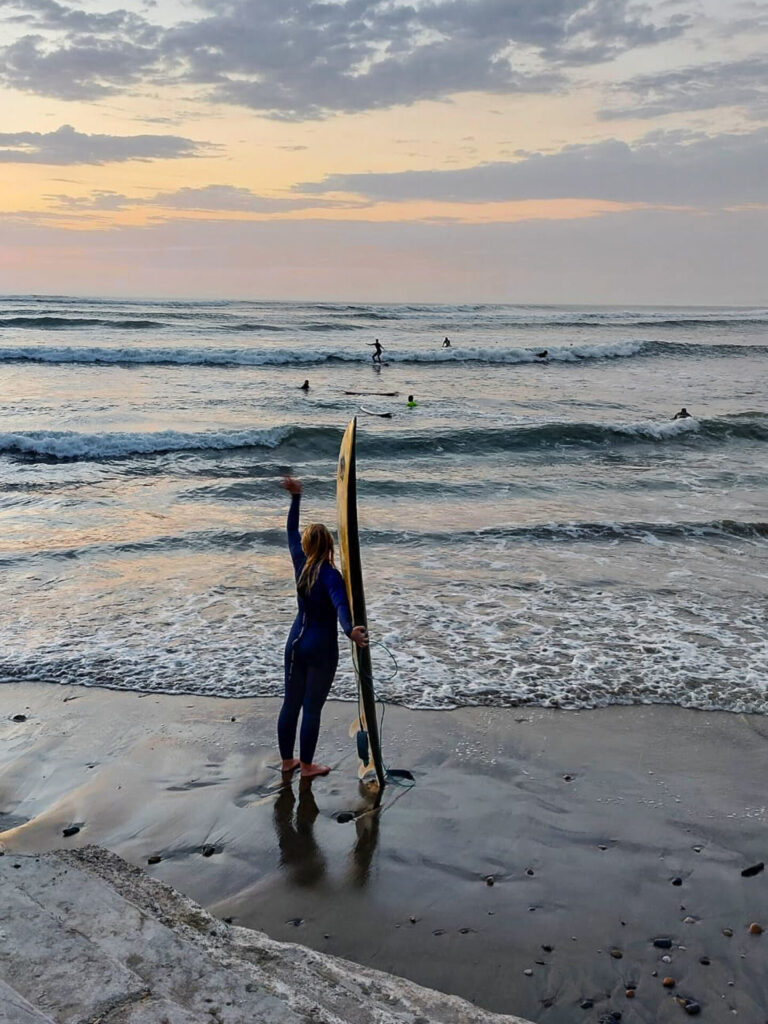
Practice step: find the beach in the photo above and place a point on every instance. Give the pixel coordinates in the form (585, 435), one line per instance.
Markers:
(583, 821)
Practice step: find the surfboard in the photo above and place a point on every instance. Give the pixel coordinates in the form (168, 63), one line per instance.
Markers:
(352, 571)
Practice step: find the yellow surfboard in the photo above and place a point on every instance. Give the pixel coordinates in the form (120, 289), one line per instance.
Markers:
(352, 571)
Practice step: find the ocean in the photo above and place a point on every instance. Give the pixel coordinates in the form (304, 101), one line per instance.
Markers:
(536, 531)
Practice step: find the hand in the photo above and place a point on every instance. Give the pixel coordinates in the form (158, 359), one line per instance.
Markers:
(291, 484)
(359, 635)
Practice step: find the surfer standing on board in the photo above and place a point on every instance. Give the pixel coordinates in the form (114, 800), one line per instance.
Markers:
(376, 356)
(312, 650)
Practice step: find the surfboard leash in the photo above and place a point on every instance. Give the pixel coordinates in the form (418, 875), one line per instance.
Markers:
(396, 776)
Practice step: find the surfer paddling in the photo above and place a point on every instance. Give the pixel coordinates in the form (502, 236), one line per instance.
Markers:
(312, 650)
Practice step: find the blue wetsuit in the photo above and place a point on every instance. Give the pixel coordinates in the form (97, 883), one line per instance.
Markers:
(312, 651)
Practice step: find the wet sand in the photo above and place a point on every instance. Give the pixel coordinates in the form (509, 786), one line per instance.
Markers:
(582, 819)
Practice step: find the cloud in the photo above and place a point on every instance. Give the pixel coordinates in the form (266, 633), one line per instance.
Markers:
(740, 83)
(65, 146)
(210, 198)
(663, 168)
(304, 59)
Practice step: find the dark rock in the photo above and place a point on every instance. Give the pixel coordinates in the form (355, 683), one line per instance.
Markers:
(611, 1017)
(228, 920)
(529, 871)
(19, 718)
(756, 929)
(70, 830)
(489, 879)
(297, 922)
(697, 849)
(601, 847)
(616, 954)
(668, 983)
(233, 719)
(704, 961)
(754, 870)
(528, 972)
(547, 949)
(630, 993)
(413, 919)
(586, 1004)
(677, 881)
(567, 778)
(154, 859)
(208, 850)
(728, 932)
(344, 817)
(691, 1007)
(662, 943)
(465, 931)
(439, 931)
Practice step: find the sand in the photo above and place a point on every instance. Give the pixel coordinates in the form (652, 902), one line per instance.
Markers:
(582, 819)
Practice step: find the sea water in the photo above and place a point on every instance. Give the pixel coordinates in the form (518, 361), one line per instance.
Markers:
(538, 530)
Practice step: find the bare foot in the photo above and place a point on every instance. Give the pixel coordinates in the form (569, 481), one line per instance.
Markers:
(290, 765)
(309, 771)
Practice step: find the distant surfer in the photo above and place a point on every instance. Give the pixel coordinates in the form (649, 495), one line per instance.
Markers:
(542, 355)
(446, 342)
(376, 356)
(312, 650)
(304, 386)
(682, 415)
(412, 403)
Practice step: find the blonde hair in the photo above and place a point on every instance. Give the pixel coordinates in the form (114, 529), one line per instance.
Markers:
(317, 545)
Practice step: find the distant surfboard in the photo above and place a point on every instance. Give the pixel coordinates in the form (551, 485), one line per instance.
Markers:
(372, 412)
(352, 571)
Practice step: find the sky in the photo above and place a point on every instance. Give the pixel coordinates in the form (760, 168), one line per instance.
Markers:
(556, 151)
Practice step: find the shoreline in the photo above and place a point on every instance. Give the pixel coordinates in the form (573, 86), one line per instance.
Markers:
(604, 808)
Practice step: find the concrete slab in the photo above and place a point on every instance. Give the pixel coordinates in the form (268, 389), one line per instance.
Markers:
(88, 938)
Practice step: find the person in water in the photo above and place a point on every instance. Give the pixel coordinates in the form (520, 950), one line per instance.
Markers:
(446, 342)
(304, 386)
(682, 415)
(412, 403)
(542, 355)
(312, 650)
(376, 357)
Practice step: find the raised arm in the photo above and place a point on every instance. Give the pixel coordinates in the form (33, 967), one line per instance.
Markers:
(294, 536)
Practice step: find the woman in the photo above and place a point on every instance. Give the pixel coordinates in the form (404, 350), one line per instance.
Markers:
(312, 651)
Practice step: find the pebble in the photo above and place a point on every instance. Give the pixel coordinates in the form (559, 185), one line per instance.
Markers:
(662, 943)
(233, 719)
(616, 954)
(413, 919)
(295, 921)
(586, 1004)
(704, 961)
(630, 993)
(689, 920)
(611, 1017)
(691, 1007)
(752, 871)
(668, 983)
(208, 850)
(19, 718)
(489, 879)
(154, 859)
(601, 847)
(547, 949)
(677, 881)
(71, 830)
(567, 778)
(756, 929)
(528, 972)
(697, 849)
(728, 932)
(666, 959)
(529, 871)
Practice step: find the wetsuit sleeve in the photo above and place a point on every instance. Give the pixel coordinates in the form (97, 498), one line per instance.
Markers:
(294, 537)
(338, 595)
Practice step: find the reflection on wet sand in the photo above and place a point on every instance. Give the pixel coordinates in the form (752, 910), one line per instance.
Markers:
(300, 854)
